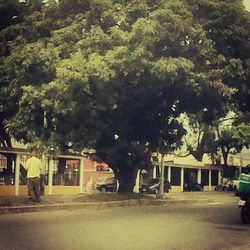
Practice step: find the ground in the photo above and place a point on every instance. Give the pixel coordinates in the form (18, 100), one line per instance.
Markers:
(176, 225)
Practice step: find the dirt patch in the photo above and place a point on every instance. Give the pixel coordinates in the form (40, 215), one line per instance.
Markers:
(13, 201)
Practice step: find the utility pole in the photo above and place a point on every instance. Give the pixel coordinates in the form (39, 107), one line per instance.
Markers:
(161, 165)
(241, 162)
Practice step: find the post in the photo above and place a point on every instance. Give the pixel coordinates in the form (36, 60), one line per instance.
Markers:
(137, 182)
(51, 170)
(161, 165)
(182, 179)
(219, 177)
(199, 176)
(210, 180)
(81, 181)
(17, 174)
(43, 160)
(42, 175)
(154, 171)
(162, 177)
(241, 162)
(169, 174)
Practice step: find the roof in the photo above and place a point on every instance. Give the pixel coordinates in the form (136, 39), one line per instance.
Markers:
(13, 150)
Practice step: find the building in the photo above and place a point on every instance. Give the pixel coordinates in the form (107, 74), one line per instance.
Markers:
(184, 173)
(61, 174)
(77, 173)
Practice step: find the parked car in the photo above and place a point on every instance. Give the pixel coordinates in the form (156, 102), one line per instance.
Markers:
(106, 184)
(225, 185)
(152, 186)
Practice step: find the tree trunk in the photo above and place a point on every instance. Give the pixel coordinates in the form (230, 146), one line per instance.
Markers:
(213, 158)
(126, 178)
(198, 155)
(6, 141)
(225, 153)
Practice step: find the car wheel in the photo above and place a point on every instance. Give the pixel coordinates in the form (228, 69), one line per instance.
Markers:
(245, 215)
(104, 190)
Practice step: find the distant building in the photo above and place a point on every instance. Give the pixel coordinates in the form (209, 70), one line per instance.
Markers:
(75, 173)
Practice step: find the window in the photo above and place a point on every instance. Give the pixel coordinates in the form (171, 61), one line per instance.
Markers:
(165, 172)
(205, 177)
(214, 177)
(175, 176)
(67, 172)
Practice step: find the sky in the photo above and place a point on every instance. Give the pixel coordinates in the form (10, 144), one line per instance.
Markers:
(247, 4)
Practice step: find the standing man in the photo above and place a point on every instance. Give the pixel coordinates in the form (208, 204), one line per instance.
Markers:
(33, 167)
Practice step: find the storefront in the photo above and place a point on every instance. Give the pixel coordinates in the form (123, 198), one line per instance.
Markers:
(61, 174)
(189, 177)
(73, 174)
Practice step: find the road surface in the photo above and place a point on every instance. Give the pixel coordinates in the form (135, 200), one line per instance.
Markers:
(208, 225)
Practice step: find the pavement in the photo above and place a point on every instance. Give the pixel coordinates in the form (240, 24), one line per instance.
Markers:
(21, 204)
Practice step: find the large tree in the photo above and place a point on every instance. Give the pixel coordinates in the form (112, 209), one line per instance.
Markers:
(226, 24)
(115, 76)
(21, 25)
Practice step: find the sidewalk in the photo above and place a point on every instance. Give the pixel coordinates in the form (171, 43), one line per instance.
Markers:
(18, 204)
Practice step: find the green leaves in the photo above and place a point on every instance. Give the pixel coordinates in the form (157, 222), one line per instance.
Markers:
(172, 68)
(97, 7)
(72, 69)
(98, 68)
(94, 41)
(33, 64)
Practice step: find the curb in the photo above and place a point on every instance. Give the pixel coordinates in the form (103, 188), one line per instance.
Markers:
(95, 205)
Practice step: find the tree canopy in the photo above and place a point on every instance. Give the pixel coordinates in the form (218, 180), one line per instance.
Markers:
(115, 75)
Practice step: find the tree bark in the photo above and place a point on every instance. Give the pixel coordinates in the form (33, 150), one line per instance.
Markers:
(225, 153)
(126, 178)
(6, 141)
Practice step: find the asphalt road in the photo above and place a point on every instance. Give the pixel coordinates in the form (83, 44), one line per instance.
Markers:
(173, 226)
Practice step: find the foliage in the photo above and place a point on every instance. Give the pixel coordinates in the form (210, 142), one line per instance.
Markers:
(226, 23)
(201, 137)
(222, 138)
(116, 75)
(232, 140)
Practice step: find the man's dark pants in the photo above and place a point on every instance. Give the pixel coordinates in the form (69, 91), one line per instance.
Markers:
(34, 188)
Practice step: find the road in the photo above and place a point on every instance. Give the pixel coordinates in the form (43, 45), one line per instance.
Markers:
(173, 226)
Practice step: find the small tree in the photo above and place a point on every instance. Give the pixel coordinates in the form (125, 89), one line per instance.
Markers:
(232, 140)
(201, 136)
